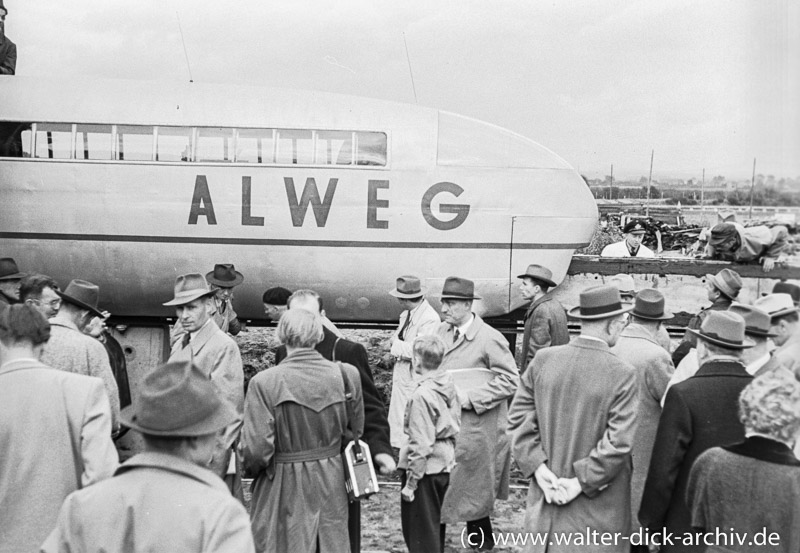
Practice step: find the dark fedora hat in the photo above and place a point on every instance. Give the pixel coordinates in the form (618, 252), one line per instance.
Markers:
(537, 272)
(756, 321)
(649, 304)
(723, 328)
(599, 302)
(9, 269)
(188, 288)
(726, 281)
(408, 287)
(225, 276)
(84, 294)
(178, 399)
(457, 288)
(787, 288)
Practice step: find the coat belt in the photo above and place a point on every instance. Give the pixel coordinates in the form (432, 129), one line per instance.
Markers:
(308, 455)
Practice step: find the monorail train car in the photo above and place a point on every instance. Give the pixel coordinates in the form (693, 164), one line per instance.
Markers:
(129, 184)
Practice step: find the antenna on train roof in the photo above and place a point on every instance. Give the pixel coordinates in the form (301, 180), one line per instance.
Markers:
(408, 59)
(185, 53)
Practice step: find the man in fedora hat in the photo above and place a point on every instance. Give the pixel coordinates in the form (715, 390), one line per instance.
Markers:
(69, 349)
(483, 456)
(758, 359)
(787, 288)
(627, 292)
(164, 499)
(8, 50)
(545, 318)
(572, 425)
(55, 429)
(218, 356)
(10, 278)
(417, 319)
(785, 325)
(632, 245)
(723, 288)
(222, 280)
(699, 413)
(638, 346)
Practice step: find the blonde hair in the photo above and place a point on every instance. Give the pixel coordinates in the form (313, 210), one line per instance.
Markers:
(429, 351)
(770, 405)
(299, 328)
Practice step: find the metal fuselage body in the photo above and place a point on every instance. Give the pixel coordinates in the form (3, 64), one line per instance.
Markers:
(450, 196)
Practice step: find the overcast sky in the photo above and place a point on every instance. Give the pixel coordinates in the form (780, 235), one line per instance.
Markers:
(707, 84)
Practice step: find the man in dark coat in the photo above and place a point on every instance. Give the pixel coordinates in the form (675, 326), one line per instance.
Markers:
(376, 425)
(8, 50)
(545, 319)
(699, 413)
(10, 279)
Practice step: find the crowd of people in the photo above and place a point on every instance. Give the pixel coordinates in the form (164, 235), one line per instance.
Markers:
(611, 435)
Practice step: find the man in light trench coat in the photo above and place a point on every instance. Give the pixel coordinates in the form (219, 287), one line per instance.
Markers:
(572, 425)
(483, 456)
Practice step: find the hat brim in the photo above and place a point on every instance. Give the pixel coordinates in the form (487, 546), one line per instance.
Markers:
(405, 296)
(721, 286)
(575, 313)
(545, 280)
(717, 342)
(783, 312)
(635, 232)
(759, 333)
(221, 418)
(15, 276)
(225, 283)
(452, 297)
(189, 298)
(665, 316)
(73, 301)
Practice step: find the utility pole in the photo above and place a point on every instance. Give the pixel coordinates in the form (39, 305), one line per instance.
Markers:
(650, 178)
(703, 191)
(611, 186)
(752, 188)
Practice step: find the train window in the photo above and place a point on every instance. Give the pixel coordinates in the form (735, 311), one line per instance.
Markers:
(255, 146)
(173, 144)
(470, 143)
(134, 143)
(94, 142)
(15, 139)
(214, 145)
(334, 148)
(295, 147)
(371, 148)
(54, 141)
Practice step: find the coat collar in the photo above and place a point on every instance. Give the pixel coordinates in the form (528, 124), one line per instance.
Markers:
(470, 334)
(303, 355)
(635, 330)
(722, 368)
(59, 320)
(536, 303)
(171, 463)
(203, 335)
(764, 449)
(588, 343)
(21, 364)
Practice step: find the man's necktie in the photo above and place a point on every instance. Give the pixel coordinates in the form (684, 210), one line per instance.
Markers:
(185, 340)
(456, 335)
(402, 334)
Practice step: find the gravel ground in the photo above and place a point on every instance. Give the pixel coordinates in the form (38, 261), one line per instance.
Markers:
(380, 517)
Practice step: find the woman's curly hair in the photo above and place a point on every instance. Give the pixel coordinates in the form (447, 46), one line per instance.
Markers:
(770, 405)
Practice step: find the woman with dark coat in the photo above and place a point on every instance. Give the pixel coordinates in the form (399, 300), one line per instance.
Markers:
(742, 489)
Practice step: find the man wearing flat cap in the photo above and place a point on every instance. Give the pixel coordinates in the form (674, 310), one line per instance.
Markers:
(69, 349)
(10, 278)
(545, 318)
(55, 431)
(699, 413)
(638, 345)
(483, 456)
(218, 356)
(572, 425)
(785, 325)
(632, 245)
(222, 280)
(164, 499)
(761, 244)
(417, 319)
